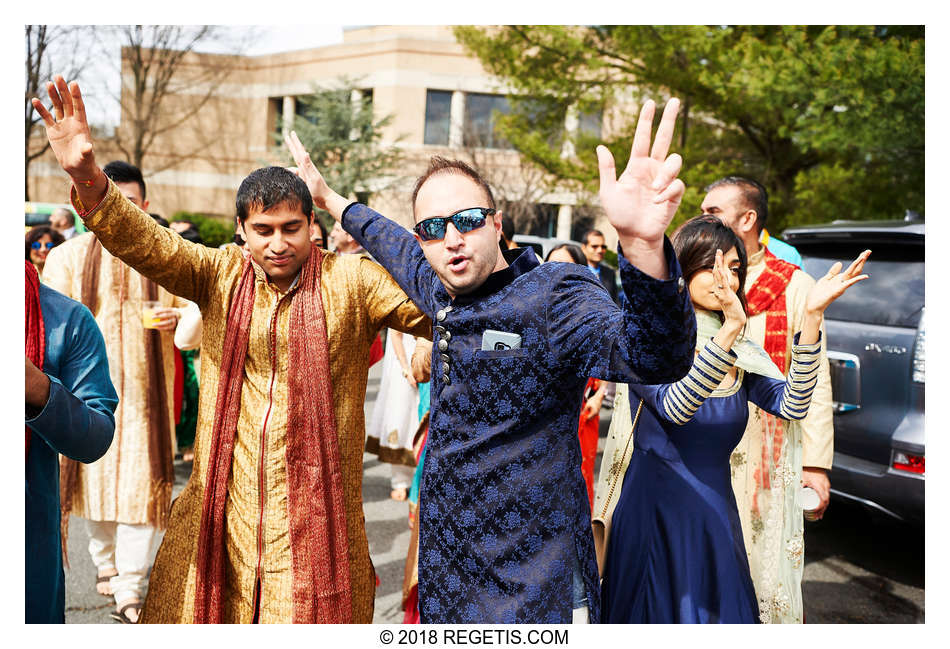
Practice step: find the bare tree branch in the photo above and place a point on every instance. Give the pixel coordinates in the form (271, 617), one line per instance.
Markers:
(64, 45)
(166, 84)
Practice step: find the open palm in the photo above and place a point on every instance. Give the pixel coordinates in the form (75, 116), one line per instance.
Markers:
(68, 133)
(834, 283)
(642, 201)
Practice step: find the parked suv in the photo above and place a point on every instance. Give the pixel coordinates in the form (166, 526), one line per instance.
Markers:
(875, 336)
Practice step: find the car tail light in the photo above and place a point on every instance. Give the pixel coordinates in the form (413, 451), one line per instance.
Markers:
(907, 462)
(919, 364)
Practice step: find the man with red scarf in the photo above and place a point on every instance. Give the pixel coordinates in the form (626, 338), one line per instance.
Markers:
(270, 526)
(70, 402)
(775, 290)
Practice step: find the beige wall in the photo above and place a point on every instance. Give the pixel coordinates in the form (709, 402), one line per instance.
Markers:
(199, 166)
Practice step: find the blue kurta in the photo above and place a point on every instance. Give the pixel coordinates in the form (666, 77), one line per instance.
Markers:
(676, 553)
(504, 516)
(77, 421)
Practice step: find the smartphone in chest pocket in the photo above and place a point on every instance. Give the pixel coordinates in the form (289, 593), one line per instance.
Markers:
(500, 340)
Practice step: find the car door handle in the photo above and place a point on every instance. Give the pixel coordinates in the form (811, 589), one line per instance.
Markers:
(845, 381)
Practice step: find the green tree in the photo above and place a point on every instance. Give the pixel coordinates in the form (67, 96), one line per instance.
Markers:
(344, 139)
(830, 119)
(214, 230)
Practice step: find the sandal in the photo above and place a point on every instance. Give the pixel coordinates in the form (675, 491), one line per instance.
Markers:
(104, 579)
(121, 616)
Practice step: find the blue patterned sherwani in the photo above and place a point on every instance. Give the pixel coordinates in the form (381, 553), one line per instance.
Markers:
(504, 517)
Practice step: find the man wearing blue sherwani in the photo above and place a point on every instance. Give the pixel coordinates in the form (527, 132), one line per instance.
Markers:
(504, 518)
(70, 402)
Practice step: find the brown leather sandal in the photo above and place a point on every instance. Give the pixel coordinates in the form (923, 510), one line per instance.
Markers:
(121, 616)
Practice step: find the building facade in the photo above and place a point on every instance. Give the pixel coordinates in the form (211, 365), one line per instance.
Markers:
(441, 99)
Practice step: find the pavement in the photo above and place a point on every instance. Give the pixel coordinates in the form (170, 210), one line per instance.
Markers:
(858, 568)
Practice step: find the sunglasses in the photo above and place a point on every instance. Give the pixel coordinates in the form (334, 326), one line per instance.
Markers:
(464, 221)
(36, 245)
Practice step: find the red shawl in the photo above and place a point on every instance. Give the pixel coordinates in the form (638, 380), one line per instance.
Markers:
(35, 331)
(768, 295)
(316, 513)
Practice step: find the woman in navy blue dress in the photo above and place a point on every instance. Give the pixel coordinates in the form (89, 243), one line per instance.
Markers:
(676, 553)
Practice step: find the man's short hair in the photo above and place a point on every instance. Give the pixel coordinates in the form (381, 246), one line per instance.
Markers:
(591, 233)
(439, 165)
(754, 196)
(268, 187)
(507, 228)
(119, 171)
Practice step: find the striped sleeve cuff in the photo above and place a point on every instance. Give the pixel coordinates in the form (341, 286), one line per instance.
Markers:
(801, 381)
(685, 397)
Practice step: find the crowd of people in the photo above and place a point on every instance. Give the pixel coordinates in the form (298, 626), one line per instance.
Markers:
(495, 372)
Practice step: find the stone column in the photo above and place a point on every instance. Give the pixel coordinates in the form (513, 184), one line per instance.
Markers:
(571, 122)
(356, 98)
(456, 119)
(565, 215)
(287, 115)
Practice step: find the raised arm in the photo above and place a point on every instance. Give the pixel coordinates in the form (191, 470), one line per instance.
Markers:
(678, 402)
(182, 267)
(788, 399)
(650, 339)
(390, 244)
(791, 399)
(641, 203)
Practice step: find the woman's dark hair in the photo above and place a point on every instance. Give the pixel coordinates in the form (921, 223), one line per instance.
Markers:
(576, 254)
(192, 234)
(696, 242)
(37, 233)
(323, 232)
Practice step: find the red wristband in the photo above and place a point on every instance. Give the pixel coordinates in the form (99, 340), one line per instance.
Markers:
(88, 183)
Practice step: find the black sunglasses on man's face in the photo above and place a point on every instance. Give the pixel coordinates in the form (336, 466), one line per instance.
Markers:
(466, 220)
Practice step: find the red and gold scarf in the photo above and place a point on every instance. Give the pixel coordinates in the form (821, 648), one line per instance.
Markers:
(316, 511)
(35, 330)
(768, 294)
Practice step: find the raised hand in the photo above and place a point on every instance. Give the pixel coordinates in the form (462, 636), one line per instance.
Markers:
(729, 303)
(68, 133)
(307, 170)
(641, 203)
(834, 283)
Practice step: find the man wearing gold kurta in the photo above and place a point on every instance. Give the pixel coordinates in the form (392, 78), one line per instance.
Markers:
(114, 494)
(358, 299)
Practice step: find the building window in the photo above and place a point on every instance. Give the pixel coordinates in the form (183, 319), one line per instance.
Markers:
(582, 220)
(589, 123)
(543, 220)
(438, 108)
(480, 112)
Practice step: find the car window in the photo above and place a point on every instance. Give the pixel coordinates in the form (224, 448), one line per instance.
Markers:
(892, 295)
(538, 249)
(35, 218)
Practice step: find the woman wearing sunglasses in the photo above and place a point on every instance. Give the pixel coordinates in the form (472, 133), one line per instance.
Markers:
(39, 241)
(676, 552)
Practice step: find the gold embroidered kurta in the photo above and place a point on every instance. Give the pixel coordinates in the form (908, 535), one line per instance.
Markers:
(116, 487)
(359, 298)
